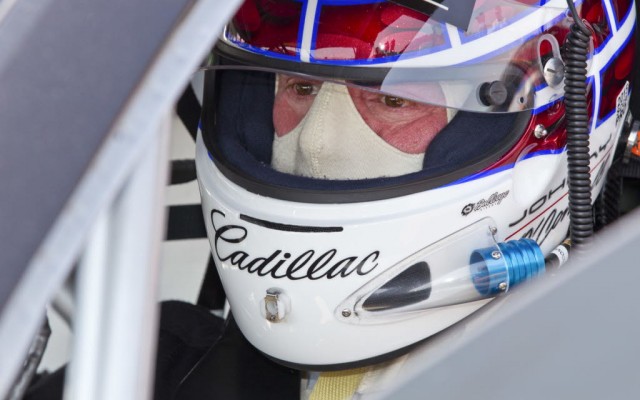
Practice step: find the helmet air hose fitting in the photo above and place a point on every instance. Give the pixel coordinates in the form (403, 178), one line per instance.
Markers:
(434, 277)
(494, 271)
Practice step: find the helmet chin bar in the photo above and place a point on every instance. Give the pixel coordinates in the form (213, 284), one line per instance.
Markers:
(466, 266)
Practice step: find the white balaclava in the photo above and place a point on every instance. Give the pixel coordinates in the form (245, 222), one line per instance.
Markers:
(333, 141)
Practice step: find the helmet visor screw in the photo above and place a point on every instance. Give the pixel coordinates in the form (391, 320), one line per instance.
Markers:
(496, 254)
(553, 72)
(540, 131)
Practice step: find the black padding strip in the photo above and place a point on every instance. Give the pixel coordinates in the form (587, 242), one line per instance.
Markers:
(186, 222)
(182, 171)
(188, 110)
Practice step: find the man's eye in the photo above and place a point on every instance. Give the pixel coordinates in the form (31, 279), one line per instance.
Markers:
(394, 102)
(304, 88)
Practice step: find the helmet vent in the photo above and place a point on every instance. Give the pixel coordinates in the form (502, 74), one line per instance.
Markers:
(413, 285)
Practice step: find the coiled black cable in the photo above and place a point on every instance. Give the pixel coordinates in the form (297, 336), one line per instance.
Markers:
(577, 117)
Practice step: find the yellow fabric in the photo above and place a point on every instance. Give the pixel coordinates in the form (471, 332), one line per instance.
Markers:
(337, 385)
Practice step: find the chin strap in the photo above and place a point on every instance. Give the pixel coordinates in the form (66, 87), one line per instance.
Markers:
(337, 385)
(355, 383)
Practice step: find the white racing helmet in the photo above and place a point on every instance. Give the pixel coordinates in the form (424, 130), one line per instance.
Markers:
(374, 171)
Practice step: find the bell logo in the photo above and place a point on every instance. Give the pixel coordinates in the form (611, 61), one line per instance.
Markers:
(493, 200)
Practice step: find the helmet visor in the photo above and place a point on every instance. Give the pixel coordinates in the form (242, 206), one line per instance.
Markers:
(493, 64)
(283, 131)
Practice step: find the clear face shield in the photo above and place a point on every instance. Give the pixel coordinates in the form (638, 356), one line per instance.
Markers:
(487, 53)
(341, 132)
(369, 90)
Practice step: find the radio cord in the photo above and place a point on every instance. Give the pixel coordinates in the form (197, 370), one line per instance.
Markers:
(575, 100)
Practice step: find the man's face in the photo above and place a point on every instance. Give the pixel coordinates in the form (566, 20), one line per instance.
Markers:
(406, 125)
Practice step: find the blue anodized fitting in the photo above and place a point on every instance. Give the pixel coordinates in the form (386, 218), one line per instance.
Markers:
(496, 269)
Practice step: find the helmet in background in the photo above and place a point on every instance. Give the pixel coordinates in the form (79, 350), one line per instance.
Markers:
(365, 166)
